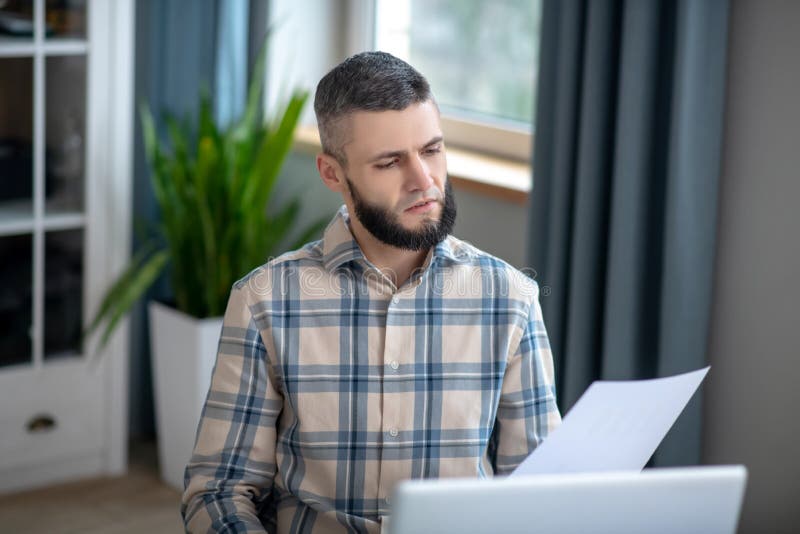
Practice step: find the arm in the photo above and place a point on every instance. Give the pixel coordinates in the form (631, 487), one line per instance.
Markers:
(527, 410)
(233, 463)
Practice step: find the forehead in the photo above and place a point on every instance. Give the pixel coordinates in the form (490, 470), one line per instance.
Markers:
(373, 132)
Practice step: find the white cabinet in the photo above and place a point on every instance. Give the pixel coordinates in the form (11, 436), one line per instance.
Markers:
(66, 82)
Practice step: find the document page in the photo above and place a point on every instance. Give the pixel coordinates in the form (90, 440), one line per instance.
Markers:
(614, 426)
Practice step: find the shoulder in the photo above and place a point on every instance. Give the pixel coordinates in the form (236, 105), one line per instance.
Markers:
(521, 283)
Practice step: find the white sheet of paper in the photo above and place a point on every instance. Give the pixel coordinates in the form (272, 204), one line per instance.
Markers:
(614, 426)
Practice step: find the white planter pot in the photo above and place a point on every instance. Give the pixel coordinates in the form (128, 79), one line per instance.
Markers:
(183, 351)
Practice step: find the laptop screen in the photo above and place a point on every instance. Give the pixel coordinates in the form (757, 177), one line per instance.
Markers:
(696, 499)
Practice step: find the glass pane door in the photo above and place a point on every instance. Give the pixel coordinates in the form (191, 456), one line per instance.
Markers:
(16, 20)
(16, 138)
(63, 293)
(66, 19)
(65, 115)
(43, 109)
(16, 299)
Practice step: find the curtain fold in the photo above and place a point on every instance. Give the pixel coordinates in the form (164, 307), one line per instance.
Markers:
(623, 207)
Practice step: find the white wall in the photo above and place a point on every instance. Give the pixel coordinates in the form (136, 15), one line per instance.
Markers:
(753, 391)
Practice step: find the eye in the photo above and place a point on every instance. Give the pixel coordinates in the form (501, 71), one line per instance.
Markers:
(430, 151)
(387, 165)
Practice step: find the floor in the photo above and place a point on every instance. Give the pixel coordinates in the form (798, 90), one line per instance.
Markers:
(135, 503)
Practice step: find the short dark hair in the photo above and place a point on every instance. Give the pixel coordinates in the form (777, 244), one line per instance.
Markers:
(369, 81)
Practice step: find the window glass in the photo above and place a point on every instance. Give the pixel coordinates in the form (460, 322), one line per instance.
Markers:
(63, 292)
(66, 18)
(16, 299)
(65, 112)
(480, 56)
(16, 20)
(16, 137)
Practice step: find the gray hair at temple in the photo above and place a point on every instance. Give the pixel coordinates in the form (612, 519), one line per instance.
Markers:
(369, 81)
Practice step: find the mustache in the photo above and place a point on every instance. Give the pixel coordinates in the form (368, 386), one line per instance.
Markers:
(432, 194)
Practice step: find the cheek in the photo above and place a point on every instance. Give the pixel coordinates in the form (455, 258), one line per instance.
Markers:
(380, 188)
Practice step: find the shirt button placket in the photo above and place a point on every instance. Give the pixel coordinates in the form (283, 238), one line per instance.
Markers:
(392, 417)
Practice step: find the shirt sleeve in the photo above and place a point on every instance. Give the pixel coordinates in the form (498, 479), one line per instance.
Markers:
(527, 410)
(232, 467)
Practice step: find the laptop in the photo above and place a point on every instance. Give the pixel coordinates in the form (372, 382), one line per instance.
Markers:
(695, 499)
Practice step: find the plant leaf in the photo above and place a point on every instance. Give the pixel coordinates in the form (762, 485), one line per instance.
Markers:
(128, 288)
(132, 290)
(116, 289)
(273, 151)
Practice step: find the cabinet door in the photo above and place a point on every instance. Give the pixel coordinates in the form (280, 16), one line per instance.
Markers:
(64, 66)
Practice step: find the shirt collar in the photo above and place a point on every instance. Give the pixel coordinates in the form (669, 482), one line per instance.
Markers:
(339, 246)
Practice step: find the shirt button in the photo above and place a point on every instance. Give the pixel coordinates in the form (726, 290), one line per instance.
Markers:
(394, 365)
(393, 432)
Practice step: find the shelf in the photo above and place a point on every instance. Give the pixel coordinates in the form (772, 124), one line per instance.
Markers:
(24, 47)
(64, 221)
(17, 218)
(16, 47)
(64, 46)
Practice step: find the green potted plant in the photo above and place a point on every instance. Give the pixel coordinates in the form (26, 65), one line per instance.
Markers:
(213, 186)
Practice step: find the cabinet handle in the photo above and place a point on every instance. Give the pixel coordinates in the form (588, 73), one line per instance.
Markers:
(41, 423)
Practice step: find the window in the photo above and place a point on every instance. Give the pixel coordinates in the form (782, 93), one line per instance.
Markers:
(480, 57)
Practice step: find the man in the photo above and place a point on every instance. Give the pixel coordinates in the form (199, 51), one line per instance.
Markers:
(388, 350)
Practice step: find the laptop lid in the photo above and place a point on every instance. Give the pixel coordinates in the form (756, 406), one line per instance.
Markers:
(696, 499)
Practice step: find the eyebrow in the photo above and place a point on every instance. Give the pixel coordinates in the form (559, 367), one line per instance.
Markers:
(397, 153)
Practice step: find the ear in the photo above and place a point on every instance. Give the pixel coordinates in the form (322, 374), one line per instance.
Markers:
(331, 172)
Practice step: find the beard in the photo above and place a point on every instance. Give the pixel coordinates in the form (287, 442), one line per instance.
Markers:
(386, 227)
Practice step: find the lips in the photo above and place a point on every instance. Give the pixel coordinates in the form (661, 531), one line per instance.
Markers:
(422, 203)
(423, 207)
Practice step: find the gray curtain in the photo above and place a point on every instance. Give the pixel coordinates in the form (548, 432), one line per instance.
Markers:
(623, 209)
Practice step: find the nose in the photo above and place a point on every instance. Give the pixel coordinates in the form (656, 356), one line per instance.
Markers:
(419, 175)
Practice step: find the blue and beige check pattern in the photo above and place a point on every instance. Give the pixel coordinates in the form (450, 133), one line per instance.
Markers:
(331, 385)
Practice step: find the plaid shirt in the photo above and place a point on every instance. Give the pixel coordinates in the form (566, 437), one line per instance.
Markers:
(331, 385)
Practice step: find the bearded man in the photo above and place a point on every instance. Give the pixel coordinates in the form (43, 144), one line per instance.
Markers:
(387, 350)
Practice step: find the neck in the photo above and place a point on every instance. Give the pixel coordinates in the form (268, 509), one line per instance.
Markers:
(397, 264)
